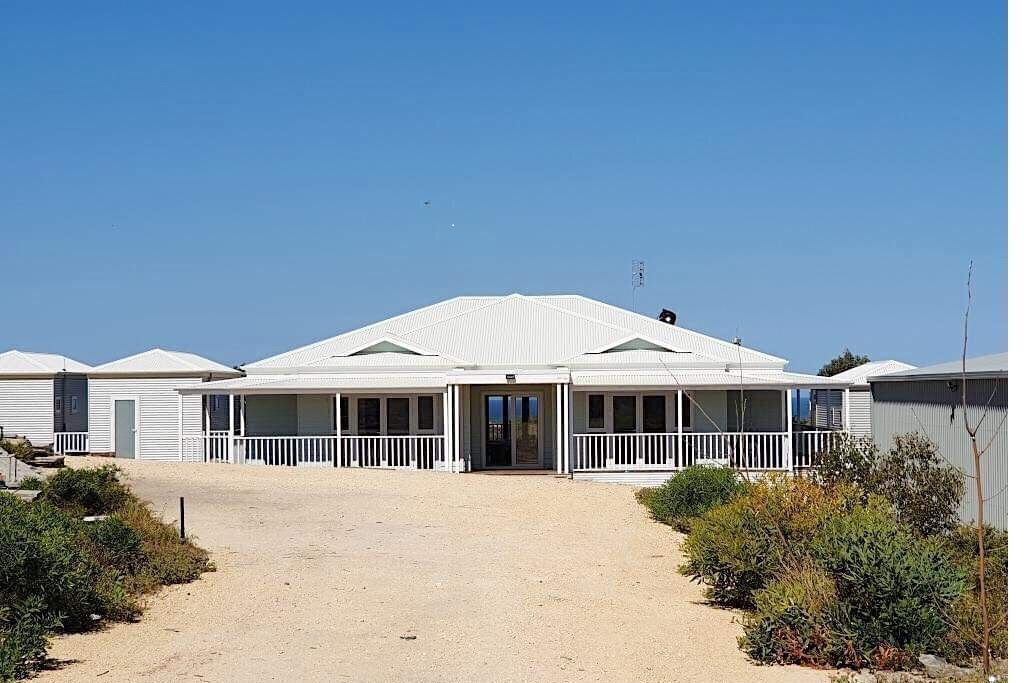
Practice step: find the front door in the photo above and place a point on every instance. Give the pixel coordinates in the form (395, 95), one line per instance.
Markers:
(124, 428)
(512, 430)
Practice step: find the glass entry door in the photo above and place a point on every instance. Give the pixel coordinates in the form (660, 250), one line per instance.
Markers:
(512, 424)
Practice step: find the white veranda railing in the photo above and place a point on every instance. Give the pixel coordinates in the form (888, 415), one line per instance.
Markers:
(65, 443)
(389, 452)
(746, 450)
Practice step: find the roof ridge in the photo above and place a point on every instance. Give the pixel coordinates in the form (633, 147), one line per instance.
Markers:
(174, 355)
(25, 356)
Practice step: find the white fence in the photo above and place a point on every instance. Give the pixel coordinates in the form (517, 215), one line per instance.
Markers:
(70, 442)
(389, 452)
(746, 450)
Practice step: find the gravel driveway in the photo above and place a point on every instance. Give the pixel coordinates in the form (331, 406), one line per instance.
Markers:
(417, 576)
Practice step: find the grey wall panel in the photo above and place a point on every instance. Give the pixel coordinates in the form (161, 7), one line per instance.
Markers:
(932, 408)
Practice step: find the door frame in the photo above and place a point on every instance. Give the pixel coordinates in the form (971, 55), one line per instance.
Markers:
(113, 422)
(539, 393)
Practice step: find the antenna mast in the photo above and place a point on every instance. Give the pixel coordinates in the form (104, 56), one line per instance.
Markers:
(638, 279)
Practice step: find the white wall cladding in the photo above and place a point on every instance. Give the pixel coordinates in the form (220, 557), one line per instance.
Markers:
(26, 408)
(157, 414)
(860, 412)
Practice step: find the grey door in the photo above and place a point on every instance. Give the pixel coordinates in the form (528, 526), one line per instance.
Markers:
(124, 428)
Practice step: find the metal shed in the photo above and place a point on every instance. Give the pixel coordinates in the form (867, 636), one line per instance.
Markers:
(928, 401)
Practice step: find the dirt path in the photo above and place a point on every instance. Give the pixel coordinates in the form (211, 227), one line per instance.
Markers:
(371, 575)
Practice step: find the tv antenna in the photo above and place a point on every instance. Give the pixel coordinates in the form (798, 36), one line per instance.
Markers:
(638, 279)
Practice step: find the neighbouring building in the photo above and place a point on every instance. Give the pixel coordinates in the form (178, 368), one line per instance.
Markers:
(929, 401)
(43, 395)
(850, 408)
(135, 410)
(558, 382)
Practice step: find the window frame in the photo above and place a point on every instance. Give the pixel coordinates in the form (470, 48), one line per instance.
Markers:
(74, 405)
(386, 427)
(58, 405)
(670, 411)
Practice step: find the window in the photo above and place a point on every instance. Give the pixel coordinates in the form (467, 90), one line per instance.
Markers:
(398, 416)
(368, 416)
(74, 405)
(344, 413)
(655, 421)
(425, 413)
(212, 401)
(58, 405)
(624, 414)
(595, 411)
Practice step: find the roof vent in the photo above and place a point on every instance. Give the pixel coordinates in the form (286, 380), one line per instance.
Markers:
(737, 341)
(667, 316)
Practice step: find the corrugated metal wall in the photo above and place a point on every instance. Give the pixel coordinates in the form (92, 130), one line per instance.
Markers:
(932, 408)
(26, 409)
(156, 412)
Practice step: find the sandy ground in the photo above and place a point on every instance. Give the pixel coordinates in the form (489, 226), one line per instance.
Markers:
(328, 575)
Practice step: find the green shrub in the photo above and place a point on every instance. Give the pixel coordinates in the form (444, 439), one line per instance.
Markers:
(790, 622)
(737, 547)
(169, 560)
(94, 491)
(850, 460)
(59, 572)
(43, 553)
(19, 449)
(690, 493)
(922, 488)
(32, 483)
(117, 545)
(894, 588)
(24, 634)
(965, 636)
(869, 593)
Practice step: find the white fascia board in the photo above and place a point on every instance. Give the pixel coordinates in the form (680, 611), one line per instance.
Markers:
(550, 376)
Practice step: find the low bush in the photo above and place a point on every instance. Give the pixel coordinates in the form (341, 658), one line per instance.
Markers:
(690, 493)
(81, 492)
(59, 572)
(870, 594)
(923, 490)
(18, 448)
(736, 547)
(964, 640)
(25, 629)
(43, 555)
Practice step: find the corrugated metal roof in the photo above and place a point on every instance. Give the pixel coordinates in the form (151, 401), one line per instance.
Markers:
(15, 362)
(160, 361)
(517, 330)
(309, 383)
(639, 358)
(699, 378)
(993, 365)
(858, 376)
(386, 359)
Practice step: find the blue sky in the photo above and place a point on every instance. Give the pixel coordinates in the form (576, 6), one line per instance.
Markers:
(242, 179)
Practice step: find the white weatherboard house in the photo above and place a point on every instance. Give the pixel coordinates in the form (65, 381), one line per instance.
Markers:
(538, 382)
(850, 408)
(43, 395)
(135, 410)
